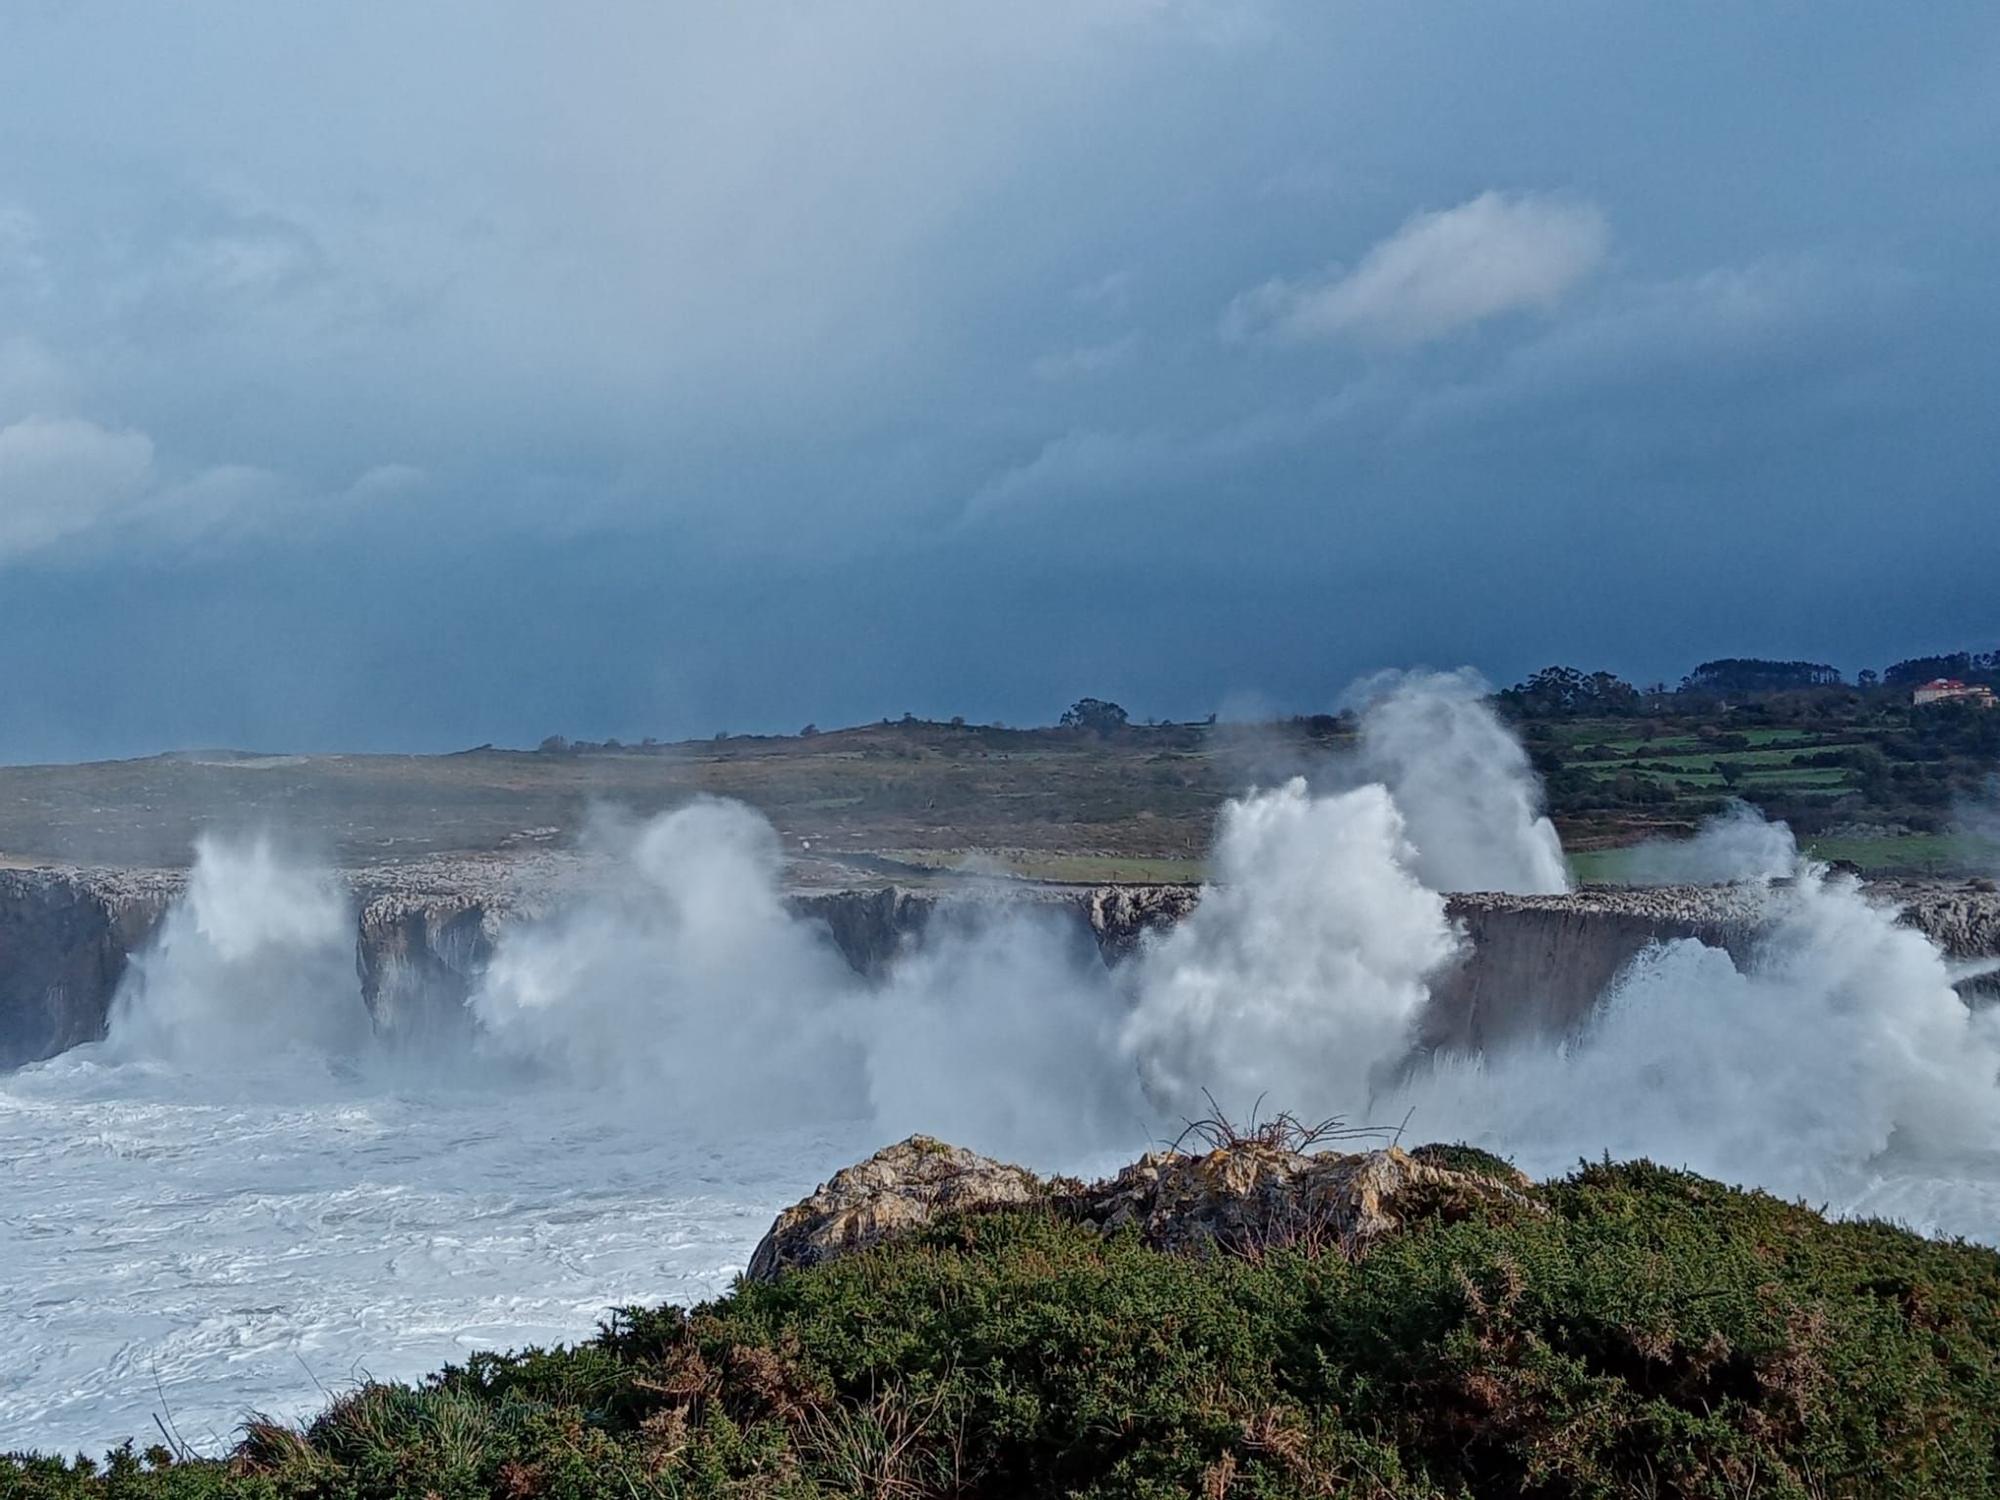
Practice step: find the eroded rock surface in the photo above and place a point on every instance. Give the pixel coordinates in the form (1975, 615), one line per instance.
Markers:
(65, 941)
(1249, 1196)
(899, 1189)
(1534, 965)
(1244, 1197)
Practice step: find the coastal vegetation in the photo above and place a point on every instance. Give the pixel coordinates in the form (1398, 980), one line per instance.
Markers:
(1859, 771)
(1632, 1331)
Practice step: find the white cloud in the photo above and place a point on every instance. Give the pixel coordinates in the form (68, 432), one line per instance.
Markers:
(1084, 361)
(60, 476)
(1440, 272)
(1702, 332)
(221, 496)
(67, 481)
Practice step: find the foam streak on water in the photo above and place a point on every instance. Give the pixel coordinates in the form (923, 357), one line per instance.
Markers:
(166, 1246)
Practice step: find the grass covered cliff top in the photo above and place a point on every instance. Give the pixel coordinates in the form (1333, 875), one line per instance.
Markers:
(1644, 1333)
(1861, 773)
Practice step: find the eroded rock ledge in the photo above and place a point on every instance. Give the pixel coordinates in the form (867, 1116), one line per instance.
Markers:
(1245, 1196)
(425, 932)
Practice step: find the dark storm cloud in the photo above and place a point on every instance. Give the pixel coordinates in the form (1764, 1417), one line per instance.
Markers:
(388, 376)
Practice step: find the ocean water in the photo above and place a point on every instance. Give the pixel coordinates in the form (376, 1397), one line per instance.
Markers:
(194, 1246)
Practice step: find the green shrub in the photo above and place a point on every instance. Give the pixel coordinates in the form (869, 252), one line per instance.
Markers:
(1654, 1334)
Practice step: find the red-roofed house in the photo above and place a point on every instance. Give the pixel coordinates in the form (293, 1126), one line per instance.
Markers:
(1951, 690)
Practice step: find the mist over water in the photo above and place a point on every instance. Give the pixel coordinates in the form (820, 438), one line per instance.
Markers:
(242, 1193)
(685, 982)
(1737, 844)
(1835, 1060)
(1471, 801)
(256, 957)
(1302, 972)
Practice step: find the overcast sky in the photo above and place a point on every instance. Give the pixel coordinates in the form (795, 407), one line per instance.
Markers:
(391, 376)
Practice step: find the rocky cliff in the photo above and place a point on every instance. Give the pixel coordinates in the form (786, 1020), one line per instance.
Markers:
(1534, 964)
(1242, 1195)
(65, 939)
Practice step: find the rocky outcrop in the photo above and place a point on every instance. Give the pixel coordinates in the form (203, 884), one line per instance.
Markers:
(1534, 965)
(1120, 915)
(899, 1189)
(870, 927)
(418, 961)
(1961, 916)
(1244, 1197)
(1250, 1196)
(64, 944)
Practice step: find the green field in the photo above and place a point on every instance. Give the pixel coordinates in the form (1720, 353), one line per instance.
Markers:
(914, 796)
(1905, 854)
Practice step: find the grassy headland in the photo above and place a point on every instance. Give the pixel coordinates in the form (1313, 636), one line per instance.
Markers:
(1859, 771)
(1651, 1334)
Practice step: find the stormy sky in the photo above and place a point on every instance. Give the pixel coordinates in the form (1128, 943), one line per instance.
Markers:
(388, 376)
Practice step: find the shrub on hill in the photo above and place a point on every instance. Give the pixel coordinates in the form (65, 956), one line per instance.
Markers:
(1653, 1334)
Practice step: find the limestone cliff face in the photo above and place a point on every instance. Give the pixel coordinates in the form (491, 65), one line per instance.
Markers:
(418, 959)
(869, 927)
(64, 943)
(420, 952)
(1961, 917)
(1534, 965)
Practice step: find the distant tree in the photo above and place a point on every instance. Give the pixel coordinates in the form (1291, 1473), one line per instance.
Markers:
(555, 744)
(1968, 666)
(1750, 674)
(1095, 714)
(1867, 678)
(958, 721)
(809, 731)
(1566, 692)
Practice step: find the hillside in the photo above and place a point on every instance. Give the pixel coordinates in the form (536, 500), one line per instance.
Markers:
(1624, 1331)
(1861, 775)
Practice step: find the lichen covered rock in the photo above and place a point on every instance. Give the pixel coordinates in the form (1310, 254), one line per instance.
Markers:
(1251, 1196)
(898, 1189)
(1244, 1197)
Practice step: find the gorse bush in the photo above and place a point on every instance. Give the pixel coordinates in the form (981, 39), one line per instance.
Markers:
(1655, 1334)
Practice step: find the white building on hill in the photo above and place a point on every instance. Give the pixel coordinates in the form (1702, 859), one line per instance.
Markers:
(1951, 690)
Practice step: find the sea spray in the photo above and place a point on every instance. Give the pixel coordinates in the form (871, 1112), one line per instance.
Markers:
(1737, 844)
(1302, 971)
(683, 981)
(1835, 1052)
(255, 958)
(1001, 1030)
(1470, 800)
